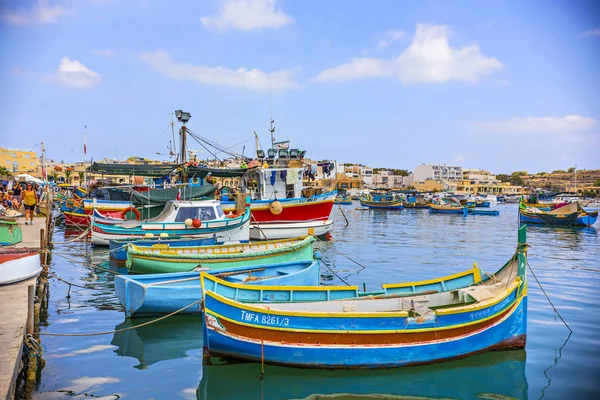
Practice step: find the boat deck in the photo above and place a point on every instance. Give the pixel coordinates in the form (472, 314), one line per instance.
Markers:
(13, 314)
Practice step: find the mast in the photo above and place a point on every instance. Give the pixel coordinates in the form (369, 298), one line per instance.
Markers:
(272, 130)
(575, 176)
(85, 155)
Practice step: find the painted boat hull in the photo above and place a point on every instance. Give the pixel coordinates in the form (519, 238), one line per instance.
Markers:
(507, 333)
(315, 208)
(483, 212)
(436, 209)
(17, 266)
(118, 251)
(226, 230)
(587, 219)
(248, 255)
(154, 295)
(383, 205)
(274, 231)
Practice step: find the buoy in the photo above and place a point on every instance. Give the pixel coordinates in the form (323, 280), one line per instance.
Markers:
(188, 222)
(196, 223)
(276, 208)
(149, 235)
(164, 235)
(132, 209)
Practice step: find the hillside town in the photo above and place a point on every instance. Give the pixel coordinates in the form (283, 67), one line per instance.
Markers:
(355, 179)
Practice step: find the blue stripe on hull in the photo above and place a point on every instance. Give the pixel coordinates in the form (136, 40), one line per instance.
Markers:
(509, 332)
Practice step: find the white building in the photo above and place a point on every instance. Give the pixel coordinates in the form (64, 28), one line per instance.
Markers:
(442, 172)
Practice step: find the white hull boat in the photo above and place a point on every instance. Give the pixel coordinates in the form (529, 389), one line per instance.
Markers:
(273, 231)
(17, 265)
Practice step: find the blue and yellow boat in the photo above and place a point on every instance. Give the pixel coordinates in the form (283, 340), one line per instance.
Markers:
(571, 214)
(381, 201)
(389, 331)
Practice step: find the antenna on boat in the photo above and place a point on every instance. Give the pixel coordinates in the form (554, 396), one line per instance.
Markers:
(272, 128)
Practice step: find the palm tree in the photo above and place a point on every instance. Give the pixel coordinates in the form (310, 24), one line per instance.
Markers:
(68, 173)
(5, 172)
(54, 176)
(81, 177)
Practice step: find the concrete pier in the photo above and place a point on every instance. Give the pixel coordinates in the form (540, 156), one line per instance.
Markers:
(15, 304)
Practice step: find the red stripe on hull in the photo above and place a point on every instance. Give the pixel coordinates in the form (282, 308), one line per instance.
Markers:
(311, 211)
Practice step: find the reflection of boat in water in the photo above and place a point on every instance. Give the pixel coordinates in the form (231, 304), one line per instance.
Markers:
(494, 375)
(169, 339)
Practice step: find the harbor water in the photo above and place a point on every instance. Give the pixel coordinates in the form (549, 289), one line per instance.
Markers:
(163, 360)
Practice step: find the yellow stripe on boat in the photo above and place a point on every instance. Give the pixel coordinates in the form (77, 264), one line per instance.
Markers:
(473, 271)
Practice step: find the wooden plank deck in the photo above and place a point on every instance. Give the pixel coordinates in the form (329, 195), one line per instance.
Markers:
(13, 314)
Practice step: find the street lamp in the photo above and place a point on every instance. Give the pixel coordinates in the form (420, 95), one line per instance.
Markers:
(182, 116)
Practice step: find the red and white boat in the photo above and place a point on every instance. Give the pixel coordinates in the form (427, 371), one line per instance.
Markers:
(100, 208)
(18, 264)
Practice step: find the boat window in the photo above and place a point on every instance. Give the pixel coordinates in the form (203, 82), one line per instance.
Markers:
(220, 212)
(206, 213)
(185, 213)
(202, 213)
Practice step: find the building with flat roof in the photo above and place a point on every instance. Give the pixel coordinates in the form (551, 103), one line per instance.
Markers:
(19, 161)
(437, 172)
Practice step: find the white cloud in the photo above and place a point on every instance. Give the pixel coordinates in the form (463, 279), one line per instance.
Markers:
(429, 58)
(557, 125)
(255, 79)
(391, 36)
(87, 350)
(88, 383)
(592, 32)
(104, 53)
(42, 12)
(75, 74)
(246, 15)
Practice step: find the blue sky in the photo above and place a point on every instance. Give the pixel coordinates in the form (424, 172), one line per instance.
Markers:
(503, 85)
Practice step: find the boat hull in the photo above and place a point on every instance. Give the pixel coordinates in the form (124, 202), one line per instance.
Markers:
(587, 219)
(17, 266)
(147, 263)
(382, 205)
(273, 231)
(118, 250)
(434, 208)
(154, 295)
(298, 209)
(505, 333)
(226, 230)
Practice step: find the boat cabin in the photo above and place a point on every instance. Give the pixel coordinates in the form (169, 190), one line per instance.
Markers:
(179, 211)
(273, 183)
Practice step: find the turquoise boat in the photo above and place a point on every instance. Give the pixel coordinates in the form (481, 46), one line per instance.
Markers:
(474, 211)
(386, 332)
(165, 293)
(118, 247)
(161, 258)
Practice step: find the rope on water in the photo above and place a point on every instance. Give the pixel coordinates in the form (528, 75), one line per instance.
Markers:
(123, 329)
(548, 298)
(74, 239)
(81, 286)
(334, 273)
(344, 255)
(85, 263)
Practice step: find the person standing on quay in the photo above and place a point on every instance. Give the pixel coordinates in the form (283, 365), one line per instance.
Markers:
(30, 200)
(17, 192)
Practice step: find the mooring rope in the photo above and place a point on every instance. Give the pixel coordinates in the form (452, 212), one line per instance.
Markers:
(123, 329)
(74, 239)
(548, 298)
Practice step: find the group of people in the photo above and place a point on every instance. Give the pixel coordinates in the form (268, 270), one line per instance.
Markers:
(26, 195)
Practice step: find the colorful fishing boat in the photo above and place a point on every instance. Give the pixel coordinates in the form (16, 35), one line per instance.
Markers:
(161, 258)
(571, 214)
(372, 333)
(118, 248)
(165, 293)
(475, 211)
(18, 264)
(448, 206)
(201, 219)
(343, 200)
(273, 231)
(381, 201)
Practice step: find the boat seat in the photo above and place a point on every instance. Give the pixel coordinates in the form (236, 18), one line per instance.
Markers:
(283, 272)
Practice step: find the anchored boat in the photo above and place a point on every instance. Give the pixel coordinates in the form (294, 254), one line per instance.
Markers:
(161, 258)
(118, 248)
(166, 293)
(571, 214)
(200, 219)
(381, 201)
(18, 264)
(372, 333)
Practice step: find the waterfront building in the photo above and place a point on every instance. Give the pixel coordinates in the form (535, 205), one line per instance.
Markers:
(442, 172)
(19, 161)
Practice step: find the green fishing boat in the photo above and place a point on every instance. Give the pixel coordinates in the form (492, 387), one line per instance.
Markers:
(161, 258)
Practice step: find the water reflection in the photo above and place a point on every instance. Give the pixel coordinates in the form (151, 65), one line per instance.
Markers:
(164, 340)
(494, 375)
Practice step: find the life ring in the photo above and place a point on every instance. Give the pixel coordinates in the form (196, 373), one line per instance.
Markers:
(231, 215)
(135, 211)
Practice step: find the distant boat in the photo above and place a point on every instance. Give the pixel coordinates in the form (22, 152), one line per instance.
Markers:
(372, 332)
(448, 206)
(163, 257)
(164, 293)
(381, 201)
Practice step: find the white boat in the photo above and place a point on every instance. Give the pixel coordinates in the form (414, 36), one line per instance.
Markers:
(272, 231)
(17, 265)
(197, 218)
